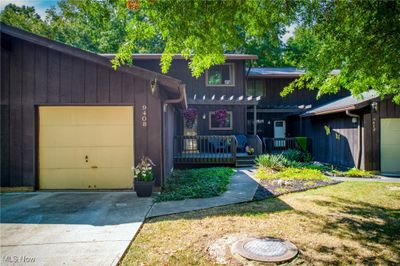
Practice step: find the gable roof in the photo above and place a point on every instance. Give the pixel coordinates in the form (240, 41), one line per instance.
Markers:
(180, 57)
(344, 104)
(171, 84)
(279, 72)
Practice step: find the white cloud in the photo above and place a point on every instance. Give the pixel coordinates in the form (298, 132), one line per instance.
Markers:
(40, 5)
(289, 33)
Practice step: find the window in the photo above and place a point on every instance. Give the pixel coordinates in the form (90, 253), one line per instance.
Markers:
(216, 125)
(255, 87)
(220, 75)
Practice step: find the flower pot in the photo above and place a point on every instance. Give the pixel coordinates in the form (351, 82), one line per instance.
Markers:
(143, 188)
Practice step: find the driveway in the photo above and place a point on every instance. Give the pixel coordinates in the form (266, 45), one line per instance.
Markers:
(69, 228)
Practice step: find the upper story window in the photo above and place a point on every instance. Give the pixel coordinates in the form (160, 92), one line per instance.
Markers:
(220, 75)
(255, 87)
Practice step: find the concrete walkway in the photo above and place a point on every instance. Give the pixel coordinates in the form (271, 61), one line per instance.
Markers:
(241, 189)
(69, 228)
(380, 179)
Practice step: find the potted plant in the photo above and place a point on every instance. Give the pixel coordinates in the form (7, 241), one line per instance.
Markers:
(220, 116)
(190, 115)
(249, 150)
(143, 177)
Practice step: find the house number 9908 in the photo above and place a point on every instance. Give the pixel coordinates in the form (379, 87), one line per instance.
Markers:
(144, 115)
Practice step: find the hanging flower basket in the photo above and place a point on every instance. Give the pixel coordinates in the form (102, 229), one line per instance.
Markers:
(220, 116)
(190, 115)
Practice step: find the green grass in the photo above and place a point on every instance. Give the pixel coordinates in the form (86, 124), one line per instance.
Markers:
(354, 172)
(352, 223)
(196, 183)
(291, 174)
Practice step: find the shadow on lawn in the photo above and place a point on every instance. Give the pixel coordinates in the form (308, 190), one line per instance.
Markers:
(256, 208)
(373, 227)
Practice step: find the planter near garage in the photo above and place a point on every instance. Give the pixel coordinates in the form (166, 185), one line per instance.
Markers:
(143, 177)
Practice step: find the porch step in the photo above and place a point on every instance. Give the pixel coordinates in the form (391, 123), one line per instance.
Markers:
(245, 161)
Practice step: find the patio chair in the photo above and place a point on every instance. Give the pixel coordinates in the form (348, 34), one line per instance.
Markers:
(241, 143)
(219, 145)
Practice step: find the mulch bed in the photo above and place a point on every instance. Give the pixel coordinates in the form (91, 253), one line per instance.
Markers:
(276, 187)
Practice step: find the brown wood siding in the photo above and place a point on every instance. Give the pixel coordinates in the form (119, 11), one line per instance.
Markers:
(179, 69)
(344, 152)
(328, 148)
(32, 76)
(273, 86)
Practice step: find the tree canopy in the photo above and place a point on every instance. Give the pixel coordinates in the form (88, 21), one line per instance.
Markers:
(359, 38)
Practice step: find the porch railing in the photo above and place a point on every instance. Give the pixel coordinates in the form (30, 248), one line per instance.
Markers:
(205, 149)
(272, 145)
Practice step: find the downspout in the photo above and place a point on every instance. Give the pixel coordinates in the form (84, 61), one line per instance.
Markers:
(245, 93)
(182, 98)
(359, 137)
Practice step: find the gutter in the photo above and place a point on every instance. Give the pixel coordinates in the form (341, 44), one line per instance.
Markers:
(181, 99)
(359, 137)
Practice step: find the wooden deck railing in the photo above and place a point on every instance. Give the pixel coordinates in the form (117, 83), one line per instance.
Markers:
(272, 145)
(205, 149)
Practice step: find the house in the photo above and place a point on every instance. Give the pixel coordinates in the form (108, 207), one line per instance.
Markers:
(69, 121)
(221, 88)
(361, 132)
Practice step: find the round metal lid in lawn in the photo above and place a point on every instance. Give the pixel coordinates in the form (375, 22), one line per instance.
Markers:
(266, 249)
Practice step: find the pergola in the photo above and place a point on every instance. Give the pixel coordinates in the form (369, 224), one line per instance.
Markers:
(231, 100)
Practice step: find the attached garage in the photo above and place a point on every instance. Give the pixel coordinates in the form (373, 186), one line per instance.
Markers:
(70, 121)
(390, 146)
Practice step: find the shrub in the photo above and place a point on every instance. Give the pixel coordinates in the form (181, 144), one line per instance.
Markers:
(273, 161)
(354, 172)
(196, 183)
(293, 155)
(291, 173)
(297, 155)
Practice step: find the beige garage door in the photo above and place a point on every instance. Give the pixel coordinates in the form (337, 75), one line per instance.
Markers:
(390, 145)
(82, 147)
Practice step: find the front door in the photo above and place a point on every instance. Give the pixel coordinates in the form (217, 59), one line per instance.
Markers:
(279, 133)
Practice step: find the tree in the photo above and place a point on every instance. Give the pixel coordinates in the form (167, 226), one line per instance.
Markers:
(360, 38)
(23, 17)
(203, 30)
(92, 25)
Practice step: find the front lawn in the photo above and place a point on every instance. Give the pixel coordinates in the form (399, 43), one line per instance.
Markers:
(349, 223)
(196, 183)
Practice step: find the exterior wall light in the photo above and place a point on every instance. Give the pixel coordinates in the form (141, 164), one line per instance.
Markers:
(354, 120)
(153, 86)
(374, 107)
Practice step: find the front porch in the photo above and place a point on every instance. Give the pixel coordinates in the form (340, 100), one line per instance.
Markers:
(218, 149)
(230, 149)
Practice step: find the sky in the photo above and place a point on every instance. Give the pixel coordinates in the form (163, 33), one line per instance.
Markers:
(40, 5)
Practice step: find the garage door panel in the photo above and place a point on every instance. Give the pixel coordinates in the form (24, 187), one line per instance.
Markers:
(63, 157)
(87, 136)
(106, 178)
(82, 115)
(68, 134)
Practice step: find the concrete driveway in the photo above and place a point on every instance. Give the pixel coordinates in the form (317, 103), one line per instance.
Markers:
(69, 228)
